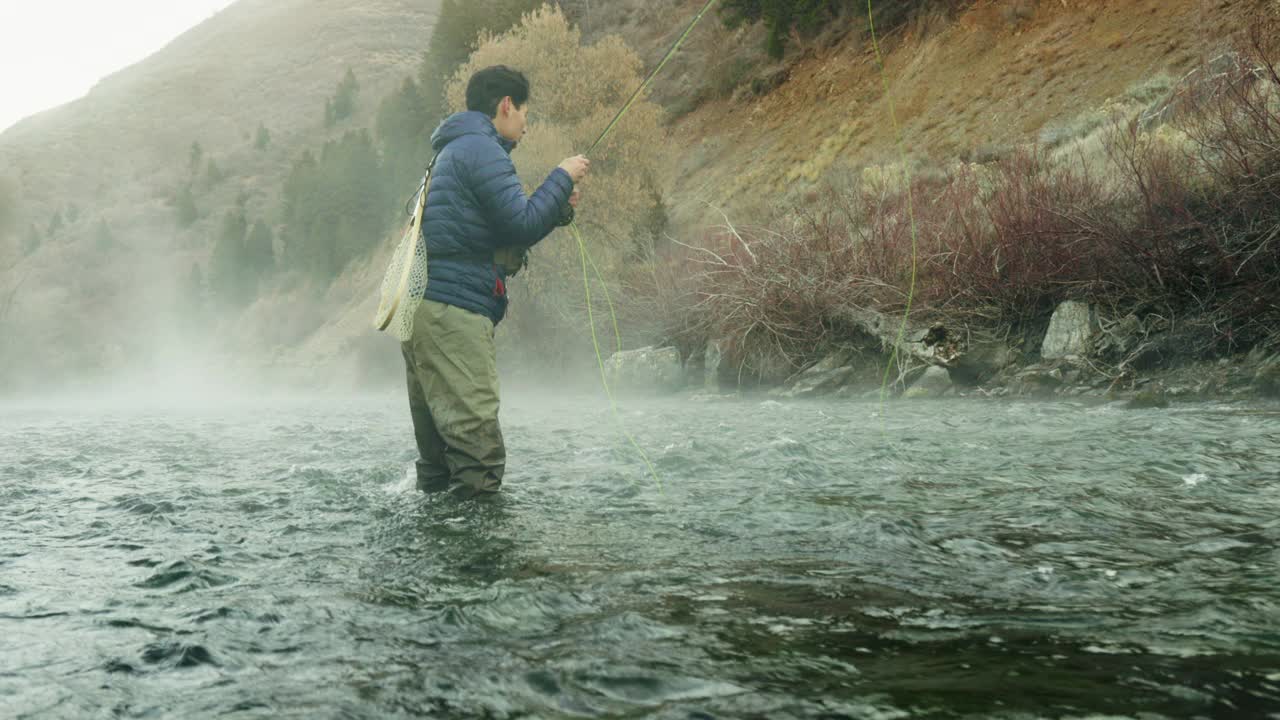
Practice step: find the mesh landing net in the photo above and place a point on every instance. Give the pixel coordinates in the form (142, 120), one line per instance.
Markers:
(405, 281)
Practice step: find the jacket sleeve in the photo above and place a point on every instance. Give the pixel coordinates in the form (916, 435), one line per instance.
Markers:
(518, 220)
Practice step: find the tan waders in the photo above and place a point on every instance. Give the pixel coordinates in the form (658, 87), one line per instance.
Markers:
(453, 397)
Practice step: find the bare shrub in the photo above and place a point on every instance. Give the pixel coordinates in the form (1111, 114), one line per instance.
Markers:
(1181, 221)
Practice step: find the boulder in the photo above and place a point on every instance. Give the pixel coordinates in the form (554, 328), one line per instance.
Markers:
(935, 382)
(1148, 399)
(815, 381)
(1070, 332)
(1266, 381)
(648, 370)
(980, 362)
(1038, 381)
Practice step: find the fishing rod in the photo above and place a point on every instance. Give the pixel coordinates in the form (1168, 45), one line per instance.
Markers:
(630, 101)
(586, 257)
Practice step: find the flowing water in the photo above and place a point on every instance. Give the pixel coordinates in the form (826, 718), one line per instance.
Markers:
(807, 560)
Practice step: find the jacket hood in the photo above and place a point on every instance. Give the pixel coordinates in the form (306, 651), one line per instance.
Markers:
(467, 123)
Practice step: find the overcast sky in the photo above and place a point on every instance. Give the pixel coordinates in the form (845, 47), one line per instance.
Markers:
(53, 51)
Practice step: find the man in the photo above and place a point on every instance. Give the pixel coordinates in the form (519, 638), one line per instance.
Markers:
(478, 223)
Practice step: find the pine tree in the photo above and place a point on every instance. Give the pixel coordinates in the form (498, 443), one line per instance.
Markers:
(213, 174)
(195, 156)
(456, 34)
(780, 17)
(263, 137)
(404, 139)
(32, 241)
(258, 257)
(55, 224)
(103, 240)
(227, 260)
(343, 104)
(185, 205)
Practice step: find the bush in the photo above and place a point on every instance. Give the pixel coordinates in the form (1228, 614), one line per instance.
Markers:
(1176, 221)
(569, 110)
(780, 17)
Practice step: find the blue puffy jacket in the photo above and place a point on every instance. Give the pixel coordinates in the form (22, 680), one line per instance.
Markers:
(476, 205)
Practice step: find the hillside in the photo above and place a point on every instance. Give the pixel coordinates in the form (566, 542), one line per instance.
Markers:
(121, 153)
(747, 134)
(966, 83)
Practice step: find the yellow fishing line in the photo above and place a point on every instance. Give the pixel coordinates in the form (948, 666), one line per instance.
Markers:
(911, 211)
(595, 342)
(617, 335)
(586, 257)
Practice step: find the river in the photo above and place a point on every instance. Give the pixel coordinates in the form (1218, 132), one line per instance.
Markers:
(254, 558)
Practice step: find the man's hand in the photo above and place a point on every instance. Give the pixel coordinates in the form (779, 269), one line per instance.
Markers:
(577, 167)
(573, 198)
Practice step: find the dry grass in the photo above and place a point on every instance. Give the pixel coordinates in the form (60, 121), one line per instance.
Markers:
(1181, 221)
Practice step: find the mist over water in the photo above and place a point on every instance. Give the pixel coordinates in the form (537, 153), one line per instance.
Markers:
(267, 556)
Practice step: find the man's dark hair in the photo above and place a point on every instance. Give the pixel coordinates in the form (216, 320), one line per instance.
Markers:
(488, 86)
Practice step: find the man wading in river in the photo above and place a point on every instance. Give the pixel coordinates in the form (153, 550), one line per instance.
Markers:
(478, 225)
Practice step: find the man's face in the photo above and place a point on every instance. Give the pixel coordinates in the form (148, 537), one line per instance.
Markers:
(512, 121)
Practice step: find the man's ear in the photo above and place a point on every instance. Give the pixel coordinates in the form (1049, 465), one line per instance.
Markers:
(504, 106)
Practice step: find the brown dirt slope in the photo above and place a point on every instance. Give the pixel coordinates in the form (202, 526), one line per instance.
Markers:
(992, 74)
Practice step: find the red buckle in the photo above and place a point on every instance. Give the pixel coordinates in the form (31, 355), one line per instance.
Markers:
(499, 288)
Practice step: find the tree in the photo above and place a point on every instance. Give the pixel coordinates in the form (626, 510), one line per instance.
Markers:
(194, 296)
(404, 138)
(780, 17)
(103, 240)
(258, 257)
(195, 281)
(185, 205)
(458, 31)
(32, 241)
(343, 104)
(572, 108)
(227, 260)
(8, 206)
(335, 209)
(55, 223)
(73, 213)
(213, 174)
(263, 138)
(195, 156)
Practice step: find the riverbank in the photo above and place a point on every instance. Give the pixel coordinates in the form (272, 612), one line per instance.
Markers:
(1133, 252)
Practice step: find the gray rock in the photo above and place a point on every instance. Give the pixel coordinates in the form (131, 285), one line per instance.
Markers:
(980, 362)
(1266, 382)
(1038, 381)
(935, 382)
(1146, 399)
(647, 370)
(1071, 331)
(833, 361)
(817, 382)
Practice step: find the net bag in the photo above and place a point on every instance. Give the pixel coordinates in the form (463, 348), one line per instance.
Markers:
(405, 281)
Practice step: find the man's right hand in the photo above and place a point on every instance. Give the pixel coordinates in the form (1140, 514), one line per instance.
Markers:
(577, 167)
